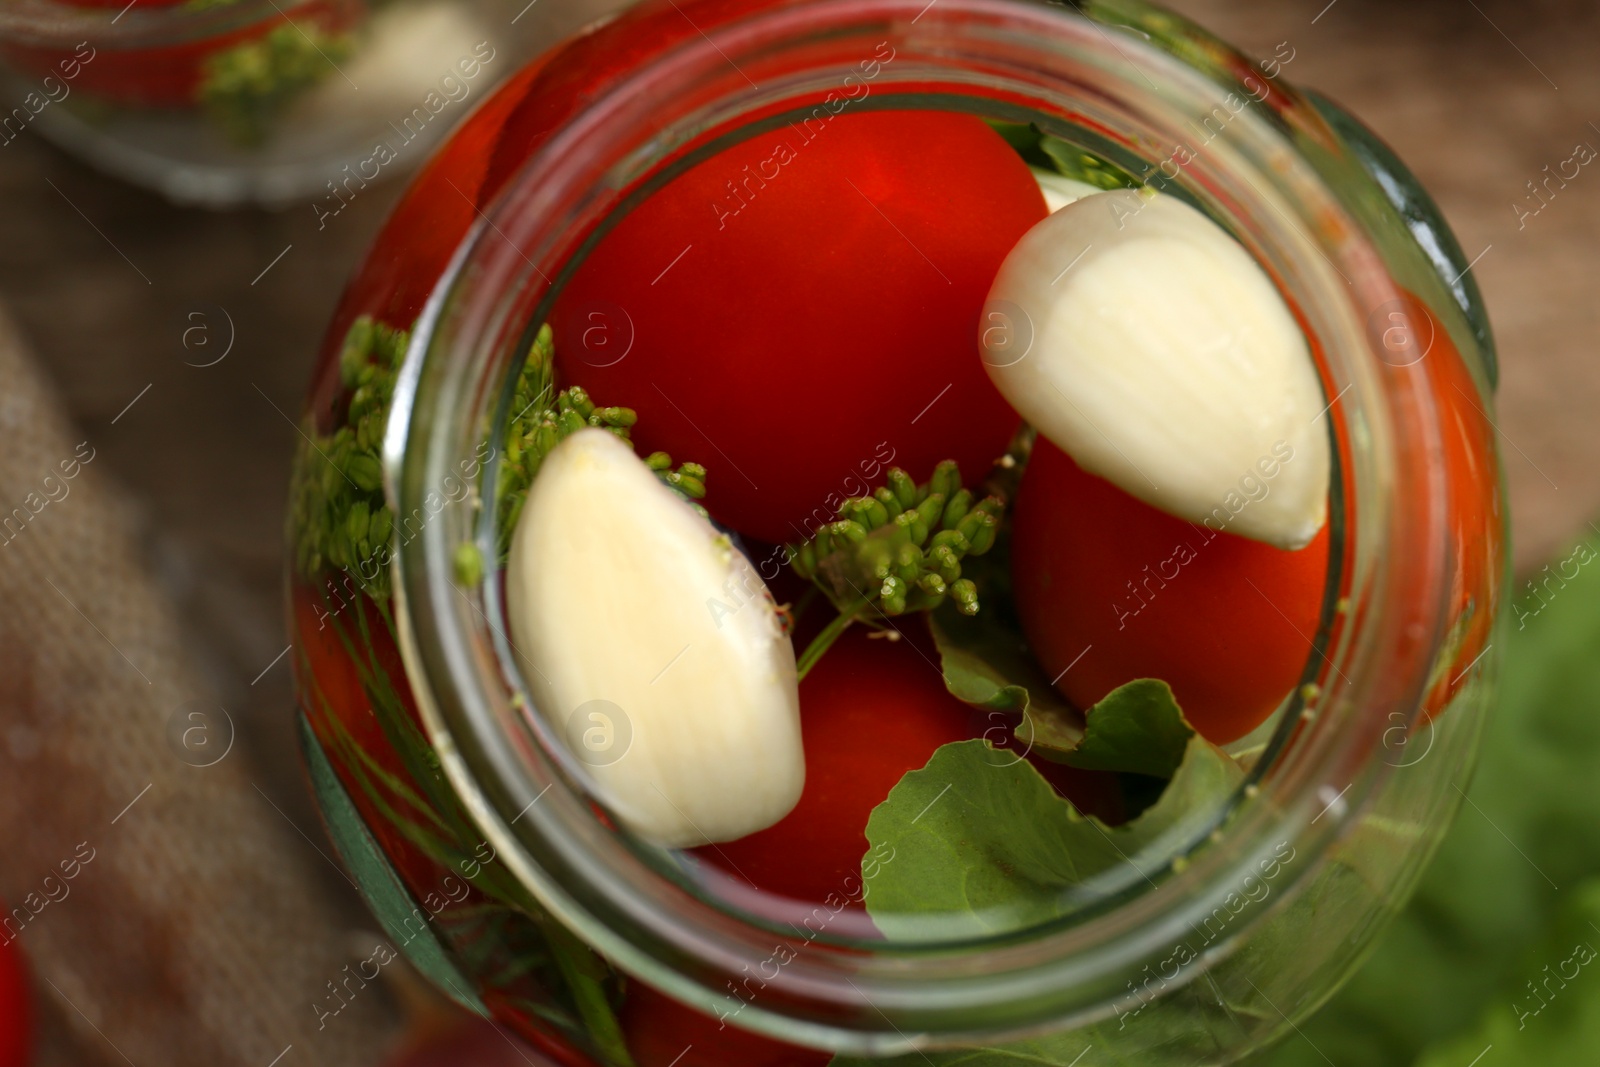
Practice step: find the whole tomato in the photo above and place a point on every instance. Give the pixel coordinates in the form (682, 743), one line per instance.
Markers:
(871, 710)
(798, 311)
(1110, 589)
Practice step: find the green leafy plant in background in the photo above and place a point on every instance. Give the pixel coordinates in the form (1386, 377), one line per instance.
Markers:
(1515, 885)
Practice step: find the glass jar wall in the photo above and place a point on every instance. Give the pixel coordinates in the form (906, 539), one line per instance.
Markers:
(481, 833)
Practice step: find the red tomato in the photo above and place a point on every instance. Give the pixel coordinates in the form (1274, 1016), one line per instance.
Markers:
(421, 234)
(1224, 620)
(798, 310)
(870, 711)
(16, 1009)
(660, 1032)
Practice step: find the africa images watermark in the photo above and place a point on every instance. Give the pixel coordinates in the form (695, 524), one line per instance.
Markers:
(54, 889)
(52, 490)
(1553, 982)
(1541, 195)
(1545, 585)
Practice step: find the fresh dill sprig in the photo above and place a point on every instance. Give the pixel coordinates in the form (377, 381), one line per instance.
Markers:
(543, 419)
(901, 548)
(897, 551)
(339, 515)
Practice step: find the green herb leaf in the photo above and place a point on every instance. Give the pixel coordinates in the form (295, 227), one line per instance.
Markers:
(1136, 729)
(1073, 162)
(980, 843)
(986, 663)
(983, 844)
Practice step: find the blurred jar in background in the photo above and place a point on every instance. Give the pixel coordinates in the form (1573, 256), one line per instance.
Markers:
(223, 102)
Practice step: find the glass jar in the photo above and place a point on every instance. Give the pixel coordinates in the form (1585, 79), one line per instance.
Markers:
(237, 101)
(480, 841)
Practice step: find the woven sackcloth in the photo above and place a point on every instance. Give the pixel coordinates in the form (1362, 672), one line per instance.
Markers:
(195, 927)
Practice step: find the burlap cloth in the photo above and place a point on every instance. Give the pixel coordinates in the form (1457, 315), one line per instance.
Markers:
(198, 928)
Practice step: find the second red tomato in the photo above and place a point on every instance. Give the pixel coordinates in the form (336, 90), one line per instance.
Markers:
(1110, 589)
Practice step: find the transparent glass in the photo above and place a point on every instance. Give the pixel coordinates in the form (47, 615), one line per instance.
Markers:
(482, 843)
(223, 102)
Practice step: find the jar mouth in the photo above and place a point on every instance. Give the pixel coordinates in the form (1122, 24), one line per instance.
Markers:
(1105, 79)
(47, 23)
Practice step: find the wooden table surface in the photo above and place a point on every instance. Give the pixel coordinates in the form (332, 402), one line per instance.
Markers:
(1478, 97)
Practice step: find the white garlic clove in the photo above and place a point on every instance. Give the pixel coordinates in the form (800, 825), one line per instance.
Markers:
(654, 647)
(1158, 354)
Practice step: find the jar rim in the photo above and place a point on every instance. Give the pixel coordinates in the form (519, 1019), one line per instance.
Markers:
(481, 315)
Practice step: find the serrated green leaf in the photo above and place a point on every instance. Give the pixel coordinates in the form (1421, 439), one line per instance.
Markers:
(1136, 729)
(986, 663)
(982, 844)
(1073, 162)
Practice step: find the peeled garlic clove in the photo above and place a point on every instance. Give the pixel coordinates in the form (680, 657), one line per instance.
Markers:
(652, 645)
(1159, 355)
(1060, 190)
